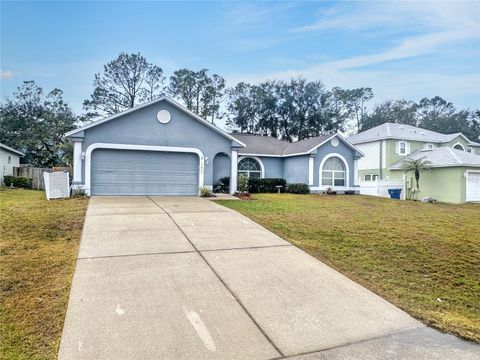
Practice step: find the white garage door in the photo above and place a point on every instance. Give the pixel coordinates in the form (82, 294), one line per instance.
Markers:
(133, 172)
(473, 186)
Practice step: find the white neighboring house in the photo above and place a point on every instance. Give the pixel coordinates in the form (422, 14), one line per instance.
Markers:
(9, 158)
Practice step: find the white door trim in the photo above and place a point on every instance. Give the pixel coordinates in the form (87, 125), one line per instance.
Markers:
(347, 173)
(233, 172)
(88, 157)
(311, 160)
(466, 183)
(77, 162)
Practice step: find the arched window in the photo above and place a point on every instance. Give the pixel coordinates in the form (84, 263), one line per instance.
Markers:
(333, 172)
(459, 146)
(249, 167)
(9, 159)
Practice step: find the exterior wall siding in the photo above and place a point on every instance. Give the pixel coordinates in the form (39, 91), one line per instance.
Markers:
(295, 169)
(371, 160)
(442, 184)
(141, 127)
(273, 166)
(391, 154)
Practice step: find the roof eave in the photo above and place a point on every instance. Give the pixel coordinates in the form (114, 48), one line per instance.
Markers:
(9, 149)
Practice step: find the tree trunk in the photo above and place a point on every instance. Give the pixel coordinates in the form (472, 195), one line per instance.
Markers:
(417, 178)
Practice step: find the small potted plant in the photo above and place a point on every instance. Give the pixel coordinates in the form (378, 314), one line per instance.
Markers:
(330, 191)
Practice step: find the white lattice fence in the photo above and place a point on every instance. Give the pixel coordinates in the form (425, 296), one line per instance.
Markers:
(381, 187)
(57, 185)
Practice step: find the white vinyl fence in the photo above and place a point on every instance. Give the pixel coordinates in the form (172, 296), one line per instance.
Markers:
(381, 187)
(57, 185)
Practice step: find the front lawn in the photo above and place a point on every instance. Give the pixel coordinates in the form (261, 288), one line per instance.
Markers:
(424, 258)
(39, 242)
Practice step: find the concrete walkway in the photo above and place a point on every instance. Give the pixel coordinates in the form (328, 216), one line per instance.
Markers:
(185, 278)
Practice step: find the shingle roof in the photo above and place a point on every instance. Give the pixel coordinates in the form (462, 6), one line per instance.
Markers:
(442, 157)
(261, 145)
(400, 131)
(267, 145)
(304, 146)
(8, 148)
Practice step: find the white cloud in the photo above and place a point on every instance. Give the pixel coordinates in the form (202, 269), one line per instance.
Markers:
(6, 74)
(431, 27)
(398, 15)
(243, 15)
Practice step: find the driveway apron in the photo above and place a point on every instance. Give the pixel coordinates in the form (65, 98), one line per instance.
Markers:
(166, 277)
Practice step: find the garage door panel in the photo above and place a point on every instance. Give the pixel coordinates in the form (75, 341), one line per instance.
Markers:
(473, 186)
(130, 172)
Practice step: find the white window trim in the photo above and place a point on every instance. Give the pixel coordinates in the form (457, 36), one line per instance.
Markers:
(371, 177)
(429, 146)
(347, 173)
(88, 158)
(262, 171)
(400, 147)
(459, 144)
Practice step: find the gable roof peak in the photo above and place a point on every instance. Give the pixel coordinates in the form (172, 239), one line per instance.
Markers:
(162, 97)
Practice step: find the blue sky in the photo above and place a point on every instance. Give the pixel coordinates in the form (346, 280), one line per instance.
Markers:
(401, 49)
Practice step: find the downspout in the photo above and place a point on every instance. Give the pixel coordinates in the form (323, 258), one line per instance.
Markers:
(380, 160)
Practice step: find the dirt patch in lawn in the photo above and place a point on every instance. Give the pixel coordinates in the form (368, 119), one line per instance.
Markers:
(424, 258)
(39, 244)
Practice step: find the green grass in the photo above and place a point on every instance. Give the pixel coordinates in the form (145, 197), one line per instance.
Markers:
(410, 253)
(39, 242)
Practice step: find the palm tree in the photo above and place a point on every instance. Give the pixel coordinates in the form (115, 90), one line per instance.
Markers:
(416, 165)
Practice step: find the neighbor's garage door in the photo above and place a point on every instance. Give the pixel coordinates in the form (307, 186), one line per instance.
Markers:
(473, 186)
(132, 172)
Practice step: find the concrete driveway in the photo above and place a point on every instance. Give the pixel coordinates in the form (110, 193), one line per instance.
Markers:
(186, 278)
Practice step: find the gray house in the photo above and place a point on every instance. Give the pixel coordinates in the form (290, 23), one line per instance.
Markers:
(161, 148)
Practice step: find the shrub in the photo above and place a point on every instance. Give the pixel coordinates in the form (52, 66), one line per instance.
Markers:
(18, 181)
(78, 192)
(205, 192)
(222, 186)
(266, 185)
(298, 188)
(242, 185)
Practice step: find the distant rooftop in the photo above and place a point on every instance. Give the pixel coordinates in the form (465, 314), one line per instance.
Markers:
(401, 131)
(442, 157)
(8, 148)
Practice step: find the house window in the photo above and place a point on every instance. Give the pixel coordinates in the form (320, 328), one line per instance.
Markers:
(370, 177)
(9, 159)
(249, 167)
(429, 146)
(458, 146)
(333, 172)
(402, 148)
